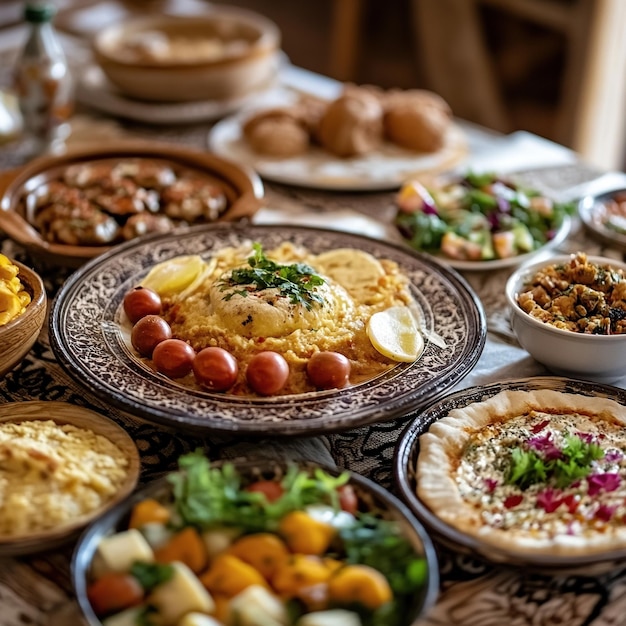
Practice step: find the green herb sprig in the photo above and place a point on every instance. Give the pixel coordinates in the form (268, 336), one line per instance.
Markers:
(206, 495)
(527, 467)
(296, 281)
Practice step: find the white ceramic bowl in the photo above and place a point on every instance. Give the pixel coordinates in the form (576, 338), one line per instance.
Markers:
(245, 66)
(600, 358)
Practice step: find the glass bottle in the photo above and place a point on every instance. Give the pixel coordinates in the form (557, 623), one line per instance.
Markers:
(43, 84)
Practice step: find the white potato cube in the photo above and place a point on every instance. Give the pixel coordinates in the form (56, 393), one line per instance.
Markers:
(118, 552)
(333, 617)
(256, 606)
(181, 594)
(216, 540)
(199, 619)
(127, 617)
(156, 534)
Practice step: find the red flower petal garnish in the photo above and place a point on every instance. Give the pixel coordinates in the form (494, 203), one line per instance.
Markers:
(613, 456)
(603, 482)
(549, 499)
(571, 501)
(490, 484)
(586, 437)
(545, 445)
(605, 512)
(539, 427)
(512, 501)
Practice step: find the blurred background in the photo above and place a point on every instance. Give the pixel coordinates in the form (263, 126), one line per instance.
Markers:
(556, 68)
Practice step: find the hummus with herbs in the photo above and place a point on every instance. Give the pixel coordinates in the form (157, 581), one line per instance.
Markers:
(238, 308)
(540, 472)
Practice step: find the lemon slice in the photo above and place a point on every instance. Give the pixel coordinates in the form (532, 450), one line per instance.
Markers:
(174, 275)
(355, 270)
(394, 333)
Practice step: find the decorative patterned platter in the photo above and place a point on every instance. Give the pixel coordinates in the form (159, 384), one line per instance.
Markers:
(88, 342)
(405, 462)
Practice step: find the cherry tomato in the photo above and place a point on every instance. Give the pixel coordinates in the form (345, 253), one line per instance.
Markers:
(348, 500)
(215, 368)
(114, 592)
(140, 302)
(148, 332)
(269, 488)
(267, 373)
(328, 370)
(173, 357)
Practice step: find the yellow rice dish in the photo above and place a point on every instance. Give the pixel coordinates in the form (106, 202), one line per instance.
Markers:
(245, 320)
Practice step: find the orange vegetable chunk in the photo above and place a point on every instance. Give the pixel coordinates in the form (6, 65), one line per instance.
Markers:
(148, 511)
(229, 575)
(300, 571)
(359, 583)
(264, 551)
(305, 535)
(185, 546)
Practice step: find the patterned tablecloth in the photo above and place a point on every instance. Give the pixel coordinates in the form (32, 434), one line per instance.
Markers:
(37, 590)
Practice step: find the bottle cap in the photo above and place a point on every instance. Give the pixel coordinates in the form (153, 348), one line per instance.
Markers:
(39, 13)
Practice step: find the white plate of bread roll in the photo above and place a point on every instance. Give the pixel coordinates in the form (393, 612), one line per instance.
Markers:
(365, 139)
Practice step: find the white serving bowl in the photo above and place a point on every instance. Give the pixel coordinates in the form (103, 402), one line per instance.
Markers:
(600, 358)
(250, 64)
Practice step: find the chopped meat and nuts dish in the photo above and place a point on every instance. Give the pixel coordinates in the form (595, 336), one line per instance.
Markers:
(301, 548)
(108, 201)
(579, 296)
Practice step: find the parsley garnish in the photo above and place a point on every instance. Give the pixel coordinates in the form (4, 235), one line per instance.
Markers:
(296, 281)
(150, 575)
(527, 467)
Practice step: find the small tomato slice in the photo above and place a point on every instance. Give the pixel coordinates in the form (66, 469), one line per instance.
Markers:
(113, 592)
(269, 488)
(348, 500)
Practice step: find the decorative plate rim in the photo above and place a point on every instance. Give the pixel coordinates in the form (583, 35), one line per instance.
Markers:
(407, 450)
(586, 207)
(85, 340)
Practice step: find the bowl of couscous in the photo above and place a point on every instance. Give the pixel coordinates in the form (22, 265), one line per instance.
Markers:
(22, 312)
(61, 466)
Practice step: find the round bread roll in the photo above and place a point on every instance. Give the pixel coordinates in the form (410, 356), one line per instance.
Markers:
(277, 132)
(352, 124)
(417, 119)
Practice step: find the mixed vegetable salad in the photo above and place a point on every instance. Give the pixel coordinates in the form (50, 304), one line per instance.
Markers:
(301, 548)
(479, 217)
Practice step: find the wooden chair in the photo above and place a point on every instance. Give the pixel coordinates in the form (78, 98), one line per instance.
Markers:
(590, 114)
(451, 45)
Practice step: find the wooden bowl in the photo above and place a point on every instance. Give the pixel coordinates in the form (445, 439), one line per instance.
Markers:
(223, 53)
(242, 187)
(62, 413)
(18, 336)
